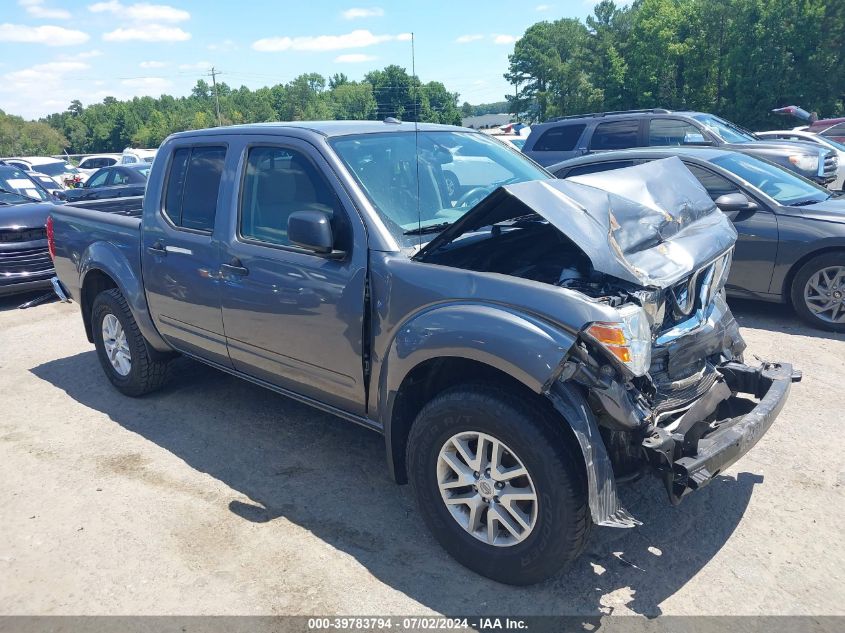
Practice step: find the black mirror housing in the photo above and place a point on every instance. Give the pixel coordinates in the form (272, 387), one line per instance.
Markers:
(312, 230)
(735, 202)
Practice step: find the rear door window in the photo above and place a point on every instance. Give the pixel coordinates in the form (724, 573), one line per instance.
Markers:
(673, 132)
(193, 185)
(562, 138)
(616, 135)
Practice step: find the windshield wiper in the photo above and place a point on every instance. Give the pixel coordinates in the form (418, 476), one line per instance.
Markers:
(804, 203)
(431, 228)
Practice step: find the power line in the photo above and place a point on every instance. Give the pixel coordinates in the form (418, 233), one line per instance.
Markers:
(213, 73)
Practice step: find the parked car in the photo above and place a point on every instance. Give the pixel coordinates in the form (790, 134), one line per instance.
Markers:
(89, 164)
(112, 182)
(572, 136)
(132, 156)
(15, 180)
(818, 139)
(519, 347)
(829, 128)
(65, 174)
(791, 245)
(25, 263)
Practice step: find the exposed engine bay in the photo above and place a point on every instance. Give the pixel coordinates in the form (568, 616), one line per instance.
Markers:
(661, 379)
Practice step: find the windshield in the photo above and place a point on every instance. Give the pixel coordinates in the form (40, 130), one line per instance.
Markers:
(786, 187)
(56, 169)
(725, 130)
(456, 170)
(16, 187)
(834, 143)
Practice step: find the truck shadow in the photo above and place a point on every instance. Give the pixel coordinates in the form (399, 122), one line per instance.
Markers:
(329, 477)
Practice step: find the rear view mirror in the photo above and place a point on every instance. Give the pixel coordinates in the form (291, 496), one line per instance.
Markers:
(735, 202)
(312, 230)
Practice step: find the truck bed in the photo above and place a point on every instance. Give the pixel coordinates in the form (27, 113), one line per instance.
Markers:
(130, 206)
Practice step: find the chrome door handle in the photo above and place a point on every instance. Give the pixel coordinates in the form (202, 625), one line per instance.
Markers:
(157, 249)
(235, 267)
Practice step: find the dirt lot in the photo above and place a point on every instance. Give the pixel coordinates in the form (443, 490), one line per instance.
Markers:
(217, 497)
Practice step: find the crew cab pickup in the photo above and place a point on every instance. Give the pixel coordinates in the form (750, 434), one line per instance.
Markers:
(522, 344)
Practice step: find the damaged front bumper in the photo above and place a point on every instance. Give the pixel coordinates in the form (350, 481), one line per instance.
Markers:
(720, 427)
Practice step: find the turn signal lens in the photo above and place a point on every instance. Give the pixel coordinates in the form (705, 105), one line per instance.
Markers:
(628, 340)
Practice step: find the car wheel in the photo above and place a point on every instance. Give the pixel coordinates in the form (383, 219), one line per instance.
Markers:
(497, 484)
(818, 291)
(127, 360)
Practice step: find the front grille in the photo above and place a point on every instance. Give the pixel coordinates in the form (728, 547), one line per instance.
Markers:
(25, 261)
(9, 236)
(831, 163)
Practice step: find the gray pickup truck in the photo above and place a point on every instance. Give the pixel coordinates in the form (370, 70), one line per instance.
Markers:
(523, 345)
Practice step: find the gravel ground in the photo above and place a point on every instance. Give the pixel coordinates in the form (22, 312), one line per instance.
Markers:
(217, 497)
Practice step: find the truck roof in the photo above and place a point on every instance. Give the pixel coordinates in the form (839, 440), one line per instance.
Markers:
(325, 128)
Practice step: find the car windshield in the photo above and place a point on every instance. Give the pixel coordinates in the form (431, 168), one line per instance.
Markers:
(725, 130)
(56, 169)
(834, 143)
(455, 171)
(16, 187)
(786, 187)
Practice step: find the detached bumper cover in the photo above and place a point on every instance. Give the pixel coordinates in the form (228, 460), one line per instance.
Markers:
(692, 454)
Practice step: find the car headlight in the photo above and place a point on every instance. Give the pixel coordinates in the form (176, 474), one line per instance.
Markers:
(628, 339)
(804, 162)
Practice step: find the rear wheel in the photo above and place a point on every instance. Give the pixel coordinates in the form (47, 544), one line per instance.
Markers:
(497, 485)
(124, 355)
(818, 291)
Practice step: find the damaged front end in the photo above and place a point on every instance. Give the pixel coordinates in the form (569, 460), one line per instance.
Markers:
(657, 381)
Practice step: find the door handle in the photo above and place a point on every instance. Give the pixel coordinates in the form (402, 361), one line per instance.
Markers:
(157, 249)
(235, 267)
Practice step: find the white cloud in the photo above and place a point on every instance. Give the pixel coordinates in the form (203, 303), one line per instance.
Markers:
(356, 13)
(466, 39)
(542, 7)
(45, 74)
(141, 11)
(153, 64)
(224, 47)
(88, 54)
(196, 66)
(36, 9)
(356, 39)
(354, 58)
(147, 33)
(47, 35)
(503, 39)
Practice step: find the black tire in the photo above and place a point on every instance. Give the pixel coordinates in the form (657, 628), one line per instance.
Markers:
(799, 282)
(148, 369)
(534, 434)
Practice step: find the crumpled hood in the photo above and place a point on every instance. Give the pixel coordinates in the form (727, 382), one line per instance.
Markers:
(651, 225)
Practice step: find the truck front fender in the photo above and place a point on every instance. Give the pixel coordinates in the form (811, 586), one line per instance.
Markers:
(522, 346)
(108, 259)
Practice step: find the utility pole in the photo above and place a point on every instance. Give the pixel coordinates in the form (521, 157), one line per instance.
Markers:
(213, 73)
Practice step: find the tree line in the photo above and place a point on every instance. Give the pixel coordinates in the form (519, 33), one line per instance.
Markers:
(736, 58)
(112, 125)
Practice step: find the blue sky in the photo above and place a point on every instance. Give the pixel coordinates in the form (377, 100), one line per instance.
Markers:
(52, 51)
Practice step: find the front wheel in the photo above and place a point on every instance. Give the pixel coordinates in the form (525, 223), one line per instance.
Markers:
(127, 361)
(818, 291)
(497, 484)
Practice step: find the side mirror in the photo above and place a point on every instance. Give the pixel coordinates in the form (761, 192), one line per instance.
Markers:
(312, 230)
(735, 202)
(60, 195)
(696, 139)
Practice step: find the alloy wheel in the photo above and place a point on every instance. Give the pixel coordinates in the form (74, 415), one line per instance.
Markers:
(487, 489)
(116, 345)
(824, 294)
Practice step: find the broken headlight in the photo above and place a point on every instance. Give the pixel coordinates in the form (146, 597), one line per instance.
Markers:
(628, 339)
